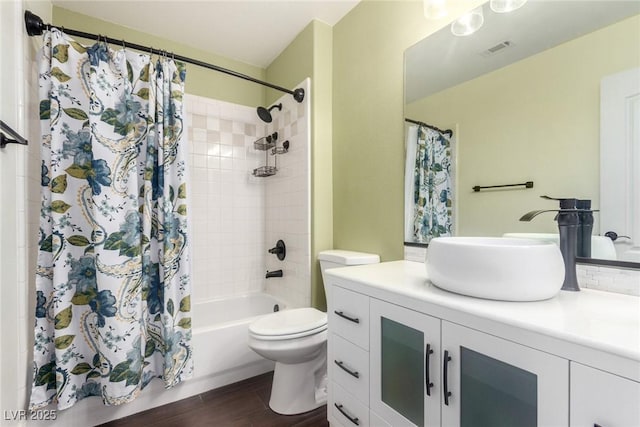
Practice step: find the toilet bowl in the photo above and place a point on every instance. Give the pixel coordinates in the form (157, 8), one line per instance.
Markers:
(296, 340)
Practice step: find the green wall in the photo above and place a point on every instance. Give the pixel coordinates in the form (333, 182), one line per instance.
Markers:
(200, 81)
(310, 55)
(368, 129)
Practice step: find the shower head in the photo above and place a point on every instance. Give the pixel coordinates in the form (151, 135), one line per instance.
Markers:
(265, 115)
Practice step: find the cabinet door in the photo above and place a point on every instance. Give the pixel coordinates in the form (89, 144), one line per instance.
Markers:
(404, 363)
(488, 381)
(602, 399)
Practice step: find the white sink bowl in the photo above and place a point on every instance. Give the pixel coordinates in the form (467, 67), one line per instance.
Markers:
(507, 269)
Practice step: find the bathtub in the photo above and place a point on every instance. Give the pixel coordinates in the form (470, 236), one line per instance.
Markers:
(220, 335)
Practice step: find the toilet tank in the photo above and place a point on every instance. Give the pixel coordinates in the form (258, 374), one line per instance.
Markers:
(339, 258)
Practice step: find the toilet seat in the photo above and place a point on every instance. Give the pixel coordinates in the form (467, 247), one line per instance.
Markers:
(289, 324)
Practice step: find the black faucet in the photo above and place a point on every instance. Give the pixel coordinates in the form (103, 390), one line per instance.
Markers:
(568, 223)
(275, 273)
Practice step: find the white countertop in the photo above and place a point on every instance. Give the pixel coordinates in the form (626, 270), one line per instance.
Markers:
(603, 321)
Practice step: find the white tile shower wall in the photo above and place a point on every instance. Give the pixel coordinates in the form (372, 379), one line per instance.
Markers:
(227, 204)
(288, 203)
(18, 295)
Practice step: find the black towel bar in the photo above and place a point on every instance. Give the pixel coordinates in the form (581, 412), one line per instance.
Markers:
(4, 140)
(528, 184)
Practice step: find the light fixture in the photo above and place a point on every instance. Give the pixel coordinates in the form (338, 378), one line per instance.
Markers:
(505, 6)
(468, 23)
(435, 9)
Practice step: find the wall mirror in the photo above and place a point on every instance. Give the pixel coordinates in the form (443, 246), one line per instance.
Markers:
(522, 97)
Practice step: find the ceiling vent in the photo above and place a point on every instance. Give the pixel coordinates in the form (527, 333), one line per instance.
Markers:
(500, 47)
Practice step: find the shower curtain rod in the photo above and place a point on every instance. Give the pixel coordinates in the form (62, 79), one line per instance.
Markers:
(416, 122)
(36, 27)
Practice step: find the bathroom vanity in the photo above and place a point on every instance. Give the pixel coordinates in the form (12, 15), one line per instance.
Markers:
(403, 352)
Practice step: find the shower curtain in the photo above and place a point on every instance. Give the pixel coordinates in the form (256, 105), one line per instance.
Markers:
(432, 186)
(113, 282)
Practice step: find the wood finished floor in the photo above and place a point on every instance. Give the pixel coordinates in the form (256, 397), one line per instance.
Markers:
(241, 404)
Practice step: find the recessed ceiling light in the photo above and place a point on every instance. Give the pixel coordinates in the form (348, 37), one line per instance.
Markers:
(505, 6)
(468, 23)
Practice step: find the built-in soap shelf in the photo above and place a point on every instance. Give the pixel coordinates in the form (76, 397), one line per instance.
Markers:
(265, 144)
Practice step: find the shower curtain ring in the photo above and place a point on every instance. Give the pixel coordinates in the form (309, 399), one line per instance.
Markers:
(123, 45)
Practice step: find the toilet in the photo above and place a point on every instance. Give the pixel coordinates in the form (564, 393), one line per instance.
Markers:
(296, 340)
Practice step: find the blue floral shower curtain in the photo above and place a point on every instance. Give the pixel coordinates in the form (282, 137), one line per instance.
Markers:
(113, 282)
(432, 186)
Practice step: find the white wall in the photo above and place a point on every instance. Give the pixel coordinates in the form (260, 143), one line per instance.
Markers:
(20, 207)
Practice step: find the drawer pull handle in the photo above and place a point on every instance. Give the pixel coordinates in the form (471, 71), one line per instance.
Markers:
(445, 373)
(340, 363)
(427, 381)
(344, 316)
(355, 420)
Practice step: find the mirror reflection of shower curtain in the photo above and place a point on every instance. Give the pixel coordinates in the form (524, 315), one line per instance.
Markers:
(411, 144)
(432, 186)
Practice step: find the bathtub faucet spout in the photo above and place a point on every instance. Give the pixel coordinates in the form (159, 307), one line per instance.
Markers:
(275, 273)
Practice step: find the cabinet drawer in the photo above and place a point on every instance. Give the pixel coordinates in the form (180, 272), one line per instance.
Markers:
(346, 409)
(349, 316)
(349, 367)
(601, 398)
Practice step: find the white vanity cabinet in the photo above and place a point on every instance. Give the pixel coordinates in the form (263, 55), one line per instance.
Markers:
(432, 358)
(597, 398)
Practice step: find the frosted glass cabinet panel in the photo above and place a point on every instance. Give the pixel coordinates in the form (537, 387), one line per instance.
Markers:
(404, 363)
(488, 381)
(509, 391)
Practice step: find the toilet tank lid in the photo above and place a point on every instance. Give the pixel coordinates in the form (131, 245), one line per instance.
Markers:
(348, 257)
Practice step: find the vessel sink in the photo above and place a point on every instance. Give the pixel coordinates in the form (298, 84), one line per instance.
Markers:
(507, 269)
